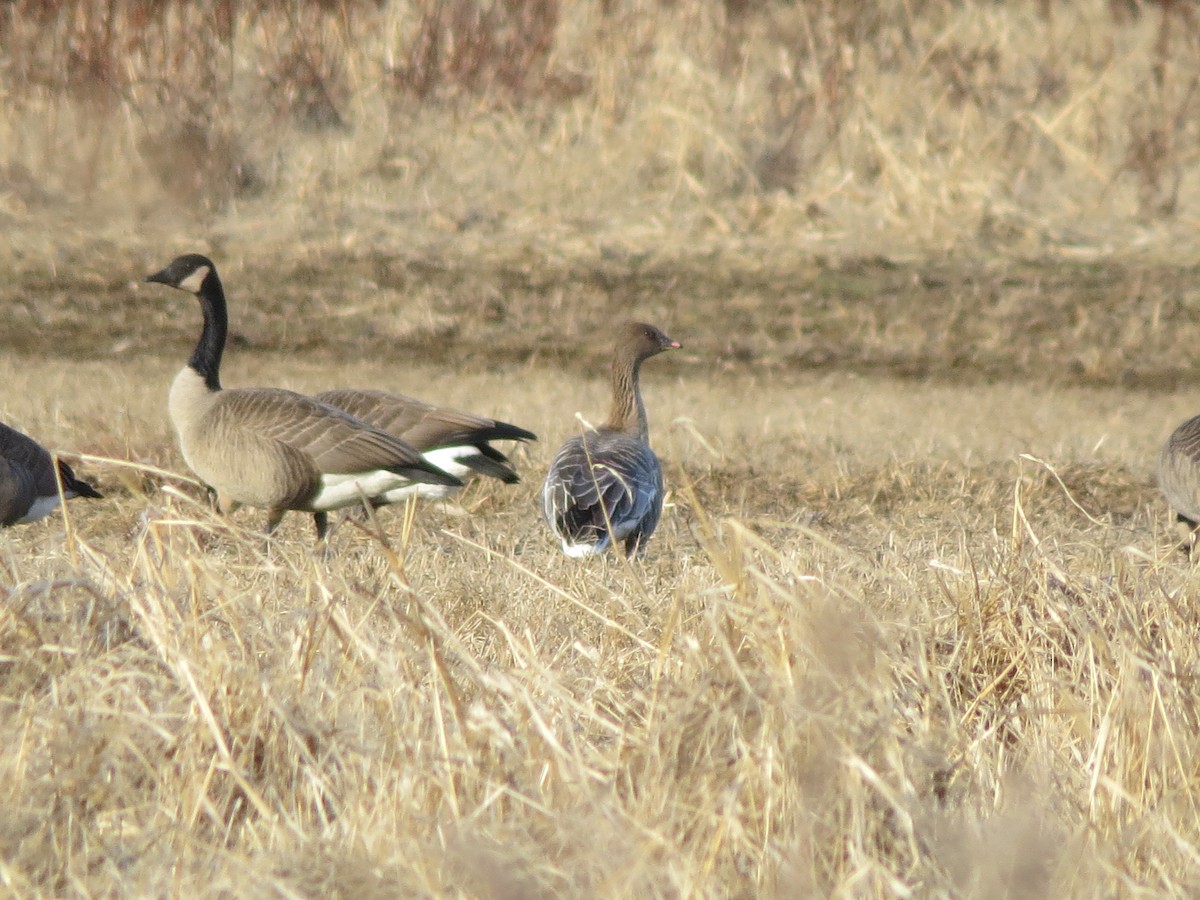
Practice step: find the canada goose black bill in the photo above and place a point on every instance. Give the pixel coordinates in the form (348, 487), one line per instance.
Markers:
(454, 441)
(605, 486)
(270, 448)
(29, 479)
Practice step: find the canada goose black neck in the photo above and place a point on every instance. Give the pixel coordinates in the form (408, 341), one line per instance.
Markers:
(197, 275)
(206, 358)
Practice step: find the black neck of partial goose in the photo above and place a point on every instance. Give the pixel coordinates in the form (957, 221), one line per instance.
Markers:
(628, 412)
(206, 358)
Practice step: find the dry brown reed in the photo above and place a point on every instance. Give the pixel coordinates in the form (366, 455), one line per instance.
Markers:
(911, 661)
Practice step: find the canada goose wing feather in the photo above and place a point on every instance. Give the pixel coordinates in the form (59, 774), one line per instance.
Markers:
(335, 441)
(425, 426)
(600, 478)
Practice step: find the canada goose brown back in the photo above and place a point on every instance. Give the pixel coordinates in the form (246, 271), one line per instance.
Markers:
(605, 485)
(454, 441)
(1179, 473)
(28, 486)
(270, 448)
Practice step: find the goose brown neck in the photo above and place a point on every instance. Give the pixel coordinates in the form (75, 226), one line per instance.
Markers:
(627, 413)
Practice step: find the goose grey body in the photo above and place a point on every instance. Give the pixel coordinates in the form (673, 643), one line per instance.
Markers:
(1179, 472)
(457, 442)
(605, 485)
(28, 486)
(270, 448)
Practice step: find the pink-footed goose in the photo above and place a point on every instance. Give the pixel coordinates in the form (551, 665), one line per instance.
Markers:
(605, 485)
(454, 441)
(270, 448)
(1179, 475)
(29, 479)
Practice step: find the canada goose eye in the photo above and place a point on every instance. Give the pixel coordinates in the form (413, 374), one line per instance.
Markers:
(193, 281)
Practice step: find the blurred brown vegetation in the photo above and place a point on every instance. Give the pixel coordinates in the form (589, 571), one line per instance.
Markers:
(1029, 126)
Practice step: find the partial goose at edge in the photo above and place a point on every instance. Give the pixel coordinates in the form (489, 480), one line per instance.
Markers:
(29, 479)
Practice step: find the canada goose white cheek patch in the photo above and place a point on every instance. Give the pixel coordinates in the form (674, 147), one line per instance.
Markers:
(192, 282)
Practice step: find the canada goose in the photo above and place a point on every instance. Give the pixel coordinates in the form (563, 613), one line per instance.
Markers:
(1179, 475)
(606, 485)
(271, 448)
(28, 480)
(457, 442)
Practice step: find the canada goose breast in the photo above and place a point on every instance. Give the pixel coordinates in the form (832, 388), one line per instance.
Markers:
(188, 402)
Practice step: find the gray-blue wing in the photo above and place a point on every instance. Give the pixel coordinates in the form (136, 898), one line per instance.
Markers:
(603, 486)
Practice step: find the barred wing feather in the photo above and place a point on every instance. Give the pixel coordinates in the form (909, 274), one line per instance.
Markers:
(603, 486)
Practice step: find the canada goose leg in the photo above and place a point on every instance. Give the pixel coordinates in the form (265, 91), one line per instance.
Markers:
(321, 521)
(274, 517)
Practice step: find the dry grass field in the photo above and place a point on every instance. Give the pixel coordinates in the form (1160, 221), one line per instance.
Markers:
(913, 625)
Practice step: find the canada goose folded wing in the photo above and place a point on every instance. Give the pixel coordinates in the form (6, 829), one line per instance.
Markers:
(334, 440)
(422, 424)
(602, 480)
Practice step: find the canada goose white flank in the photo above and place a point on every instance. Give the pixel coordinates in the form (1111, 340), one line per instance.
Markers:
(270, 448)
(29, 479)
(606, 484)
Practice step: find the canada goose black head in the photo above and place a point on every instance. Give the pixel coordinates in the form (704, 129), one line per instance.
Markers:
(191, 272)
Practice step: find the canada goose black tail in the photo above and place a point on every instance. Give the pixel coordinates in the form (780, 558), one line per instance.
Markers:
(427, 474)
(490, 461)
(502, 431)
(71, 484)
